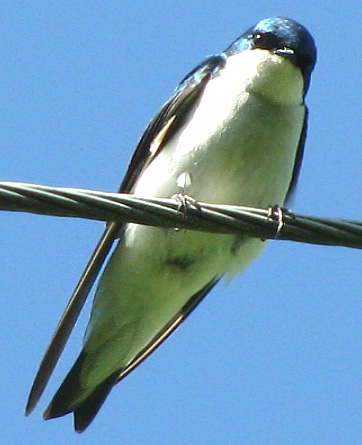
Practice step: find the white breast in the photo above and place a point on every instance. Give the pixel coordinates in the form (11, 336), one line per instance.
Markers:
(238, 148)
(240, 145)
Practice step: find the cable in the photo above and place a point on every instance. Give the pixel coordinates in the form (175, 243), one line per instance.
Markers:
(259, 223)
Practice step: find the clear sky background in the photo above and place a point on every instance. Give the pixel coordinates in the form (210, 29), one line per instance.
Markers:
(274, 358)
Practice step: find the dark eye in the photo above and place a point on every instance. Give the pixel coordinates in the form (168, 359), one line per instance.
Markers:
(266, 40)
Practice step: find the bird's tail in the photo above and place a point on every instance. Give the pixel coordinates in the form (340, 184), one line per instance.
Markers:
(71, 397)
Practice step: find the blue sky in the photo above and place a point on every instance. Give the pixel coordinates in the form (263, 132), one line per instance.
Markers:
(274, 358)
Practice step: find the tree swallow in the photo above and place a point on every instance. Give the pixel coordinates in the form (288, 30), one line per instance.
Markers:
(232, 133)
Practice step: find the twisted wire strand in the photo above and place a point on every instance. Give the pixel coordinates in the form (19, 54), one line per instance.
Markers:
(89, 204)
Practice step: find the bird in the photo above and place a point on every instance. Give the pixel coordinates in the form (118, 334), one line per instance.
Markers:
(232, 133)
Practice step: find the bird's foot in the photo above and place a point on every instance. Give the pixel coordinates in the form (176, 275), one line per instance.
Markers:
(276, 214)
(184, 202)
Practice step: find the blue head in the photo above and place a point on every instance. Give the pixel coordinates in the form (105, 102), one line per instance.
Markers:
(284, 37)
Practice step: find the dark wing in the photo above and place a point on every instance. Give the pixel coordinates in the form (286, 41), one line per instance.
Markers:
(166, 122)
(171, 116)
(70, 316)
(298, 158)
(65, 400)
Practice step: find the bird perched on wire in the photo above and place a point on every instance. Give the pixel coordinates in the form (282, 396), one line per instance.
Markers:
(232, 133)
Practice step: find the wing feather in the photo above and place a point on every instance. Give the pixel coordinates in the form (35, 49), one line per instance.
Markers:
(161, 128)
(66, 399)
(298, 158)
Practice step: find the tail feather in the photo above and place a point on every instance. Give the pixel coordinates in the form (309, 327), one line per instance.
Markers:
(69, 394)
(71, 397)
(87, 410)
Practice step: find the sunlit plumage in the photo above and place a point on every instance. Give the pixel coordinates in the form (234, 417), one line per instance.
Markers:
(232, 133)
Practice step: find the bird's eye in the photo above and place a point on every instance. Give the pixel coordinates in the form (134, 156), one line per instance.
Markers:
(266, 40)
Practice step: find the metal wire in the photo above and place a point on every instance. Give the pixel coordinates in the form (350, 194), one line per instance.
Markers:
(260, 223)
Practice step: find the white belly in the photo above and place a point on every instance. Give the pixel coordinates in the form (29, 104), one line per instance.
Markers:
(247, 159)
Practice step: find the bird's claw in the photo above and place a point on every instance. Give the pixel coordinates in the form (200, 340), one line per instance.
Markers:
(276, 214)
(184, 202)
